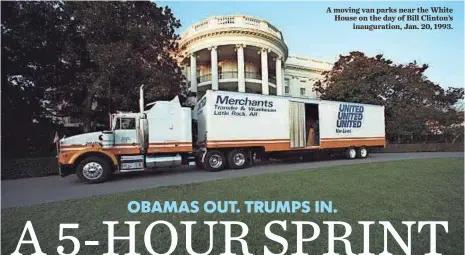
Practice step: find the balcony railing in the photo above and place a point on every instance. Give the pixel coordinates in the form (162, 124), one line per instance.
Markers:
(272, 80)
(241, 21)
(204, 78)
(252, 75)
(223, 75)
(234, 75)
(227, 75)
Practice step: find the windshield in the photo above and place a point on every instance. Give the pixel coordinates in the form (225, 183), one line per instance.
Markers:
(128, 123)
(124, 123)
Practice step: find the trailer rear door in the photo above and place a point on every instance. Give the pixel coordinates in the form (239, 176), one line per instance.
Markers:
(297, 124)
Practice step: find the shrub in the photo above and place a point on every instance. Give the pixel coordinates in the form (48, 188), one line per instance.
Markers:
(423, 147)
(28, 167)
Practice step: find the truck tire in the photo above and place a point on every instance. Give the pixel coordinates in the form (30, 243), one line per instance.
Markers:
(238, 159)
(214, 161)
(362, 152)
(351, 153)
(93, 170)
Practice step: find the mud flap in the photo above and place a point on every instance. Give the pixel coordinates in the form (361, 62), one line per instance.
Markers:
(251, 158)
(65, 170)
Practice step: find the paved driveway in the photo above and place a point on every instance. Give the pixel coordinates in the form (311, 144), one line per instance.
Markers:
(31, 191)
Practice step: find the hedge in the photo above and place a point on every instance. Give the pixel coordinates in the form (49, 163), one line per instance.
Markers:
(28, 167)
(423, 147)
(39, 167)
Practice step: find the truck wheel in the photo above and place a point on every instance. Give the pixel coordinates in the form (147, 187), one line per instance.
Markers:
(351, 153)
(214, 161)
(362, 152)
(238, 159)
(93, 170)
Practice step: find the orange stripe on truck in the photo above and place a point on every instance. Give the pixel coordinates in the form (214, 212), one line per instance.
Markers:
(270, 145)
(171, 143)
(70, 156)
(69, 153)
(136, 150)
(285, 145)
(251, 140)
(345, 143)
(166, 148)
(353, 138)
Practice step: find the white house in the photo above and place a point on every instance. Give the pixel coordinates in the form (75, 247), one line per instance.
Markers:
(245, 54)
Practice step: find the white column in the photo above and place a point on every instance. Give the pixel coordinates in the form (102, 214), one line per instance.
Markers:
(264, 55)
(240, 68)
(279, 79)
(193, 73)
(214, 63)
(282, 80)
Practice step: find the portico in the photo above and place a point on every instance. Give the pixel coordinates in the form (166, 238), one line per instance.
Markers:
(240, 67)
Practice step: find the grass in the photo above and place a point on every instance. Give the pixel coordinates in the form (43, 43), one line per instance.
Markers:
(416, 190)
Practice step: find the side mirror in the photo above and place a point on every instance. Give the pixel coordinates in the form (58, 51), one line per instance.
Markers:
(142, 116)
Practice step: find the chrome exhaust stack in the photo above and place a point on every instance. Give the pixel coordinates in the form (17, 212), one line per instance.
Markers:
(141, 99)
(143, 131)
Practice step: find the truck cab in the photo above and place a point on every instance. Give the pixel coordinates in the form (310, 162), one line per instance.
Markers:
(124, 127)
(156, 136)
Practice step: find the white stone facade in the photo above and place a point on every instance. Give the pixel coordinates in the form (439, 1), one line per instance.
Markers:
(245, 54)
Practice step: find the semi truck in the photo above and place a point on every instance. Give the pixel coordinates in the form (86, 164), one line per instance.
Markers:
(223, 130)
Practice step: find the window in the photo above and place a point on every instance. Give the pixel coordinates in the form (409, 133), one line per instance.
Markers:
(286, 86)
(303, 84)
(126, 123)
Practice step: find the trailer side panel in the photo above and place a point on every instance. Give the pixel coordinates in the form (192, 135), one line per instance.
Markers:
(344, 125)
(241, 120)
(247, 120)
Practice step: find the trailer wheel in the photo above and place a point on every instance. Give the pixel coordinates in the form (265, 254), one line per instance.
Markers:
(238, 159)
(362, 152)
(93, 170)
(351, 153)
(214, 161)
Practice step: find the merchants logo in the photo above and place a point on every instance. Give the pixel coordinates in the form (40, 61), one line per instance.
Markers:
(349, 117)
(241, 107)
(243, 101)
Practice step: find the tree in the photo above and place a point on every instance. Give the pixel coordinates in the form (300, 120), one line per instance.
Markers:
(32, 39)
(410, 99)
(126, 44)
(81, 59)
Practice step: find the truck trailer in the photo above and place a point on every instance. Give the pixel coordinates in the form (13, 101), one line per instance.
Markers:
(223, 130)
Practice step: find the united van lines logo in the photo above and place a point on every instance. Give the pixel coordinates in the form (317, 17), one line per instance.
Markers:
(350, 116)
(229, 106)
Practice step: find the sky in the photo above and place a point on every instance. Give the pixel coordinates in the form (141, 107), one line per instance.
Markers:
(311, 32)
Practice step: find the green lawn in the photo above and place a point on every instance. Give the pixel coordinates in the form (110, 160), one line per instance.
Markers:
(416, 190)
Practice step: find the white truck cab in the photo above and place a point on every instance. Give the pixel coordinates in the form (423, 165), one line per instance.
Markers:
(159, 136)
